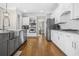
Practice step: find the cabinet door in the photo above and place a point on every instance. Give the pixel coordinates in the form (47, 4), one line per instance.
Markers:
(54, 36)
(10, 46)
(69, 44)
(6, 36)
(77, 48)
(61, 40)
(76, 10)
(4, 48)
(16, 43)
(76, 44)
(1, 37)
(0, 48)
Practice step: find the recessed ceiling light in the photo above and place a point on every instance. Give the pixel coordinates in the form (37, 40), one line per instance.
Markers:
(41, 10)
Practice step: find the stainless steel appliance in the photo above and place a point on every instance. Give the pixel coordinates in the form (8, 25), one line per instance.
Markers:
(49, 24)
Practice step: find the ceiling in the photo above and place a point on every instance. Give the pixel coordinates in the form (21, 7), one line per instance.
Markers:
(32, 7)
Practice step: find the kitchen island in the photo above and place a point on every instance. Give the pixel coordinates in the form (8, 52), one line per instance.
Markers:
(4, 37)
(11, 40)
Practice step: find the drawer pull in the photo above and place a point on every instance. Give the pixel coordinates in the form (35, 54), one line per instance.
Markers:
(72, 44)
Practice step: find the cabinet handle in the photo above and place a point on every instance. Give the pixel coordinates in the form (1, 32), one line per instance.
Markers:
(58, 38)
(72, 44)
(75, 45)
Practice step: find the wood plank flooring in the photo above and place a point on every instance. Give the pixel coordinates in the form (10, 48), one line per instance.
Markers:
(40, 47)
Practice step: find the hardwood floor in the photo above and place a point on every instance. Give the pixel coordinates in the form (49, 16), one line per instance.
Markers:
(40, 47)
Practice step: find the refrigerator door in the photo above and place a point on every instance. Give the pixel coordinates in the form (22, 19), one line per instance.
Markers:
(49, 24)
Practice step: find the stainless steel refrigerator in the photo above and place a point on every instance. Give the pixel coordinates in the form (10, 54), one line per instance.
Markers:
(49, 26)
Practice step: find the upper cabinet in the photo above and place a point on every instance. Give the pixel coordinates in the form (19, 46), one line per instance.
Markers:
(1, 17)
(75, 10)
(15, 19)
(63, 12)
(66, 12)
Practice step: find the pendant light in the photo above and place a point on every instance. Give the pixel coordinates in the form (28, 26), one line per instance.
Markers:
(6, 20)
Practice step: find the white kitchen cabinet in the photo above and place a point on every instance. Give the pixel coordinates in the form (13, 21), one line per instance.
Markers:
(63, 8)
(71, 44)
(54, 37)
(76, 44)
(61, 41)
(67, 42)
(57, 38)
(60, 13)
(75, 10)
(77, 48)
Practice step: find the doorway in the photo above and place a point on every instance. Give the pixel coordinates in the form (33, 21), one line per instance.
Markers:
(41, 27)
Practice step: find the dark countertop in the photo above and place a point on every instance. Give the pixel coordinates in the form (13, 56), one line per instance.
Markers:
(68, 30)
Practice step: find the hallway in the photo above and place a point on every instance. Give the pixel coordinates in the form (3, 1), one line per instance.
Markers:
(39, 47)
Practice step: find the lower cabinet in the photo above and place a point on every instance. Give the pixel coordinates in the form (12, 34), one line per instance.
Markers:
(76, 44)
(9, 43)
(67, 42)
(16, 44)
(3, 48)
(61, 40)
(0, 48)
(11, 46)
(54, 37)
(4, 37)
